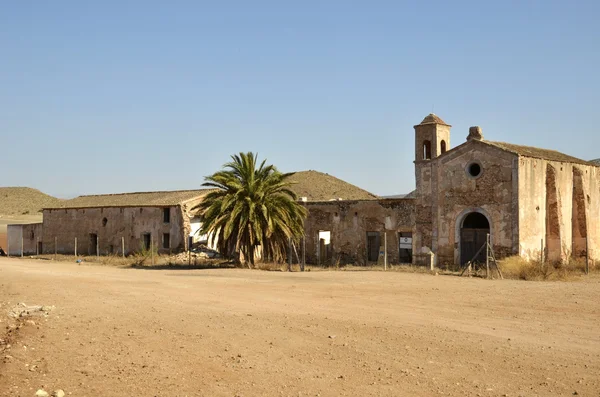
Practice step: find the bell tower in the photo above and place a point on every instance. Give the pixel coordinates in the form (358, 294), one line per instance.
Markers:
(432, 139)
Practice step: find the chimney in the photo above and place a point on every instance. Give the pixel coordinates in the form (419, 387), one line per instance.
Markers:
(475, 133)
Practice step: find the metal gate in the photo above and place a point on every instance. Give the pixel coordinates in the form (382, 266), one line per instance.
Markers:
(471, 240)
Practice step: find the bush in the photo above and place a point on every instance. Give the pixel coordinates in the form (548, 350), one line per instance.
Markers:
(517, 267)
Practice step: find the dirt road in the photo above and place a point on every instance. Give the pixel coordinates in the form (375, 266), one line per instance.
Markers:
(126, 332)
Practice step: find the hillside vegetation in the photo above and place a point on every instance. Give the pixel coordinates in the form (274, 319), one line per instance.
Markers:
(317, 186)
(24, 201)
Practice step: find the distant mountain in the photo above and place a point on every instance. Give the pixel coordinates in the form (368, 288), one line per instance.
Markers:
(597, 161)
(24, 201)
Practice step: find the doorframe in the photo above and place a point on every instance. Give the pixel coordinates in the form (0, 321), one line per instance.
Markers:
(460, 219)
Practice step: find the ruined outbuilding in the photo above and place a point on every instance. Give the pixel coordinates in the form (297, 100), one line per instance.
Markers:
(121, 223)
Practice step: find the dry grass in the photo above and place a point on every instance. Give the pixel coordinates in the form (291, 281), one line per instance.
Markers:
(138, 261)
(516, 267)
(401, 268)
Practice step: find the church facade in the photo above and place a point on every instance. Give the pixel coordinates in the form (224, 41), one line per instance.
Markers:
(530, 201)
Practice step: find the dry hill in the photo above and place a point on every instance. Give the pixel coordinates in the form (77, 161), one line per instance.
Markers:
(24, 201)
(317, 186)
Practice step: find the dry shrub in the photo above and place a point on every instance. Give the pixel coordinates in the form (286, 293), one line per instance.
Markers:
(517, 267)
(271, 266)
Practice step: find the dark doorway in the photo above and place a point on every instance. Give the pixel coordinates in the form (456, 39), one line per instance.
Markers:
(40, 248)
(473, 236)
(405, 247)
(373, 245)
(93, 244)
(147, 240)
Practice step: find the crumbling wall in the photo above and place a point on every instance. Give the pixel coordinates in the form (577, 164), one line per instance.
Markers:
(349, 222)
(110, 225)
(558, 209)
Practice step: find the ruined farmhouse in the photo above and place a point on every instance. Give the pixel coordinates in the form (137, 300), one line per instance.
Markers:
(530, 201)
(112, 224)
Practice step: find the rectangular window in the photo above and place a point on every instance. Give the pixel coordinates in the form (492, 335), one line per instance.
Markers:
(166, 240)
(166, 215)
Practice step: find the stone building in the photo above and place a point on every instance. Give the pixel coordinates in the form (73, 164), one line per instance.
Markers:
(530, 201)
(105, 223)
(355, 231)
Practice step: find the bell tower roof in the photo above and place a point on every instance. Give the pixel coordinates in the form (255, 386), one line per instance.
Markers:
(433, 119)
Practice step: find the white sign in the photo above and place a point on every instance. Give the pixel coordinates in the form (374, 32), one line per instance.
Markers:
(406, 243)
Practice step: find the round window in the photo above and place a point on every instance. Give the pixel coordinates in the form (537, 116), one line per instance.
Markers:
(474, 170)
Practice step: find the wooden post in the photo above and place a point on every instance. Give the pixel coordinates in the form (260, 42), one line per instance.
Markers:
(75, 247)
(487, 256)
(541, 254)
(303, 253)
(123, 246)
(7, 244)
(587, 255)
(37, 247)
(97, 247)
(152, 248)
(21, 241)
(289, 254)
(55, 243)
(385, 250)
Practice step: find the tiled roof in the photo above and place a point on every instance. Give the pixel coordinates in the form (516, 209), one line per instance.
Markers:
(138, 199)
(545, 154)
(432, 119)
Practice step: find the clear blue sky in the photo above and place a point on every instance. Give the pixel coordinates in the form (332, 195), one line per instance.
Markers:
(117, 96)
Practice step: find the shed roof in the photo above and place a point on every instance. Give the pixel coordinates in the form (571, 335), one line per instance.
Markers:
(545, 154)
(137, 199)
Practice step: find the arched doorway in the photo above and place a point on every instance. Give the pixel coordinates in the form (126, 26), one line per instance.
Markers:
(473, 235)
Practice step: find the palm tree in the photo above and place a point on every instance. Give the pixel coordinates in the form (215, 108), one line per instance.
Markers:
(251, 207)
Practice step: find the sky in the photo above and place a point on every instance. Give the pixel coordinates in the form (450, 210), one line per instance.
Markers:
(123, 96)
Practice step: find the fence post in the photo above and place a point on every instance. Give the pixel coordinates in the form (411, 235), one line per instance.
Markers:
(289, 254)
(97, 247)
(123, 246)
(385, 250)
(487, 256)
(75, 247)
(587, 256)
(542, 254)
(55, 243)
(21, 241)
(152, 248)
(37, 247)
(303, 253)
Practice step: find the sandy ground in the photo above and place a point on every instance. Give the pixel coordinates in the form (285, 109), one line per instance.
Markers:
(127, 332)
